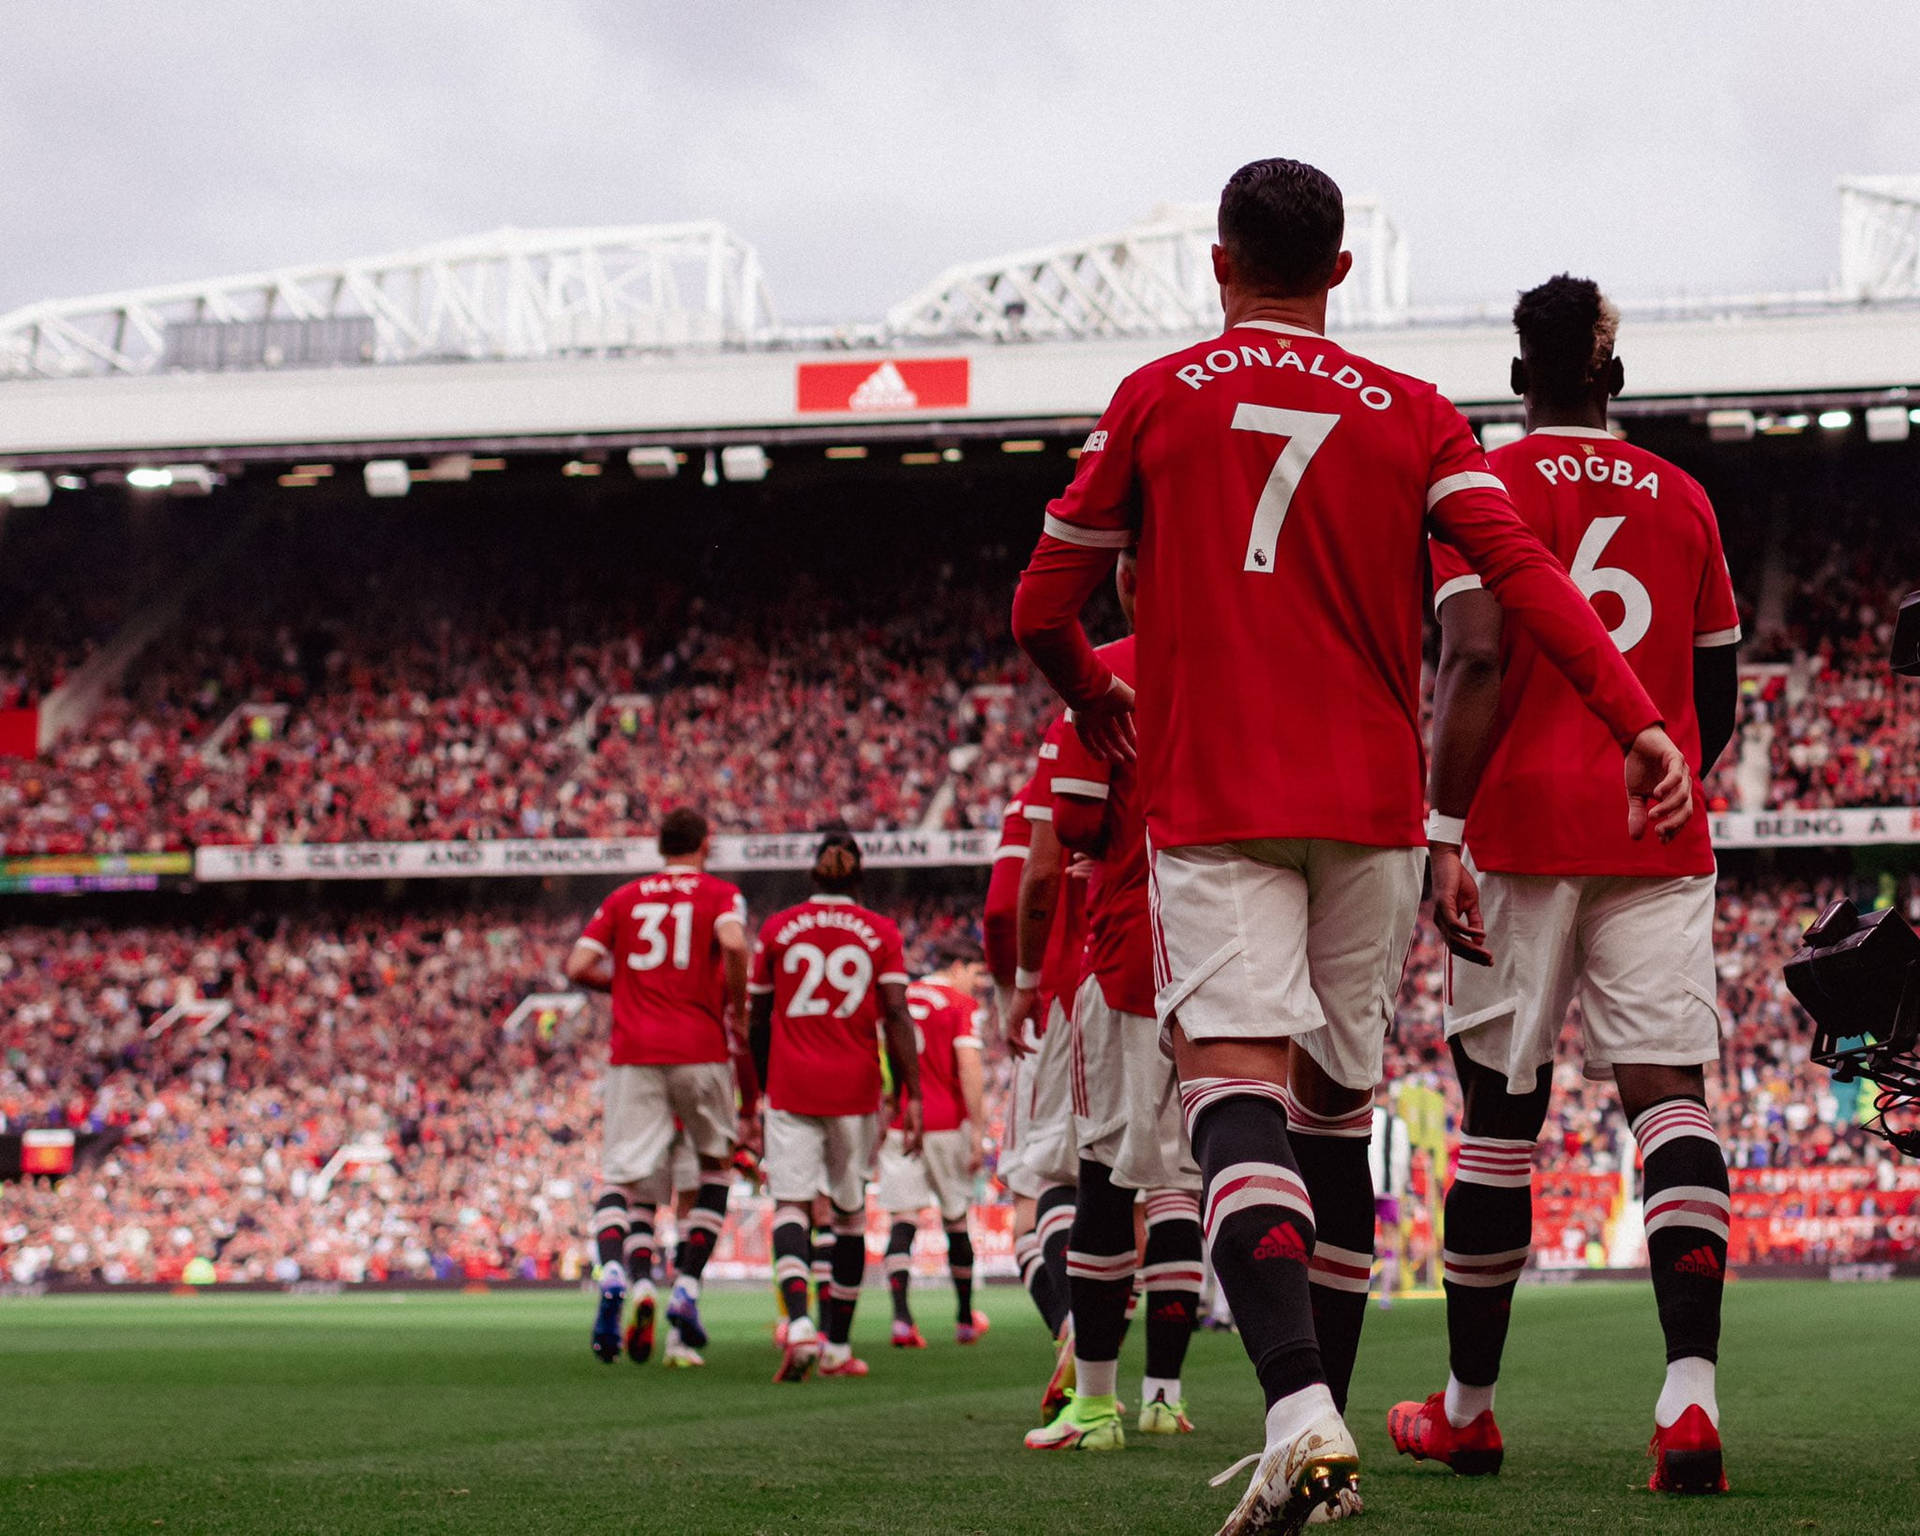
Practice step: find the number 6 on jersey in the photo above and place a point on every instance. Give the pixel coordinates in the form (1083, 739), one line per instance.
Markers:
(1304, 431)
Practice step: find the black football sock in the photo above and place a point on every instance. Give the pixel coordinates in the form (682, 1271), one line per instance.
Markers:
(849, 1269)
(900, 1269)
(1687, 1210)
(636, 1252)
(821, 1272)
(1489, 1224)
(1172, 1273)
(1258, 1227)
(1053, 1225)
(701, 1230)
(610, 1224)
(1100, 1266)
(1039, 1284)
(960, 1266)
(790, 1259)
(1331, 1151)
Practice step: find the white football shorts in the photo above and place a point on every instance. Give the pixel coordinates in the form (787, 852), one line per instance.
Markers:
(1287, 938)
(809, 1155)
(1127, 1098)
(639, 1105)
(936, 1176)
(1041, 1120)
(1636, 951)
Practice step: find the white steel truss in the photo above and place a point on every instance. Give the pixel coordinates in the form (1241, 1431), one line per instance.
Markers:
(1153, 277)
(1879, 237)
(509, 294)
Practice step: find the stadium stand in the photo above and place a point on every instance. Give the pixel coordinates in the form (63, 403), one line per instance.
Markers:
(382, 1028)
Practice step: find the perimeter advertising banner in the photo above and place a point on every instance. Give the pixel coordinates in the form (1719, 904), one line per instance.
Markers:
(570, 856)
(65, 872)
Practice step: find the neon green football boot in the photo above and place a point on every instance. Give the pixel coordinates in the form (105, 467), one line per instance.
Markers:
(1085, 1424)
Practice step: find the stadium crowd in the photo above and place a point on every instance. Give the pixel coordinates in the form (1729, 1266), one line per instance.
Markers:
(475, 1144)
(328, 697)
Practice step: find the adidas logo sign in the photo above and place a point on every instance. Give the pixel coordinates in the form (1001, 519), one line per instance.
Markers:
(883, 390)
(1170, 1312)
(1702, 1261)
(1281, 1243)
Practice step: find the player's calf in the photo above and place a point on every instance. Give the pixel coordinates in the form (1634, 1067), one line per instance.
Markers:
(1687, 1209)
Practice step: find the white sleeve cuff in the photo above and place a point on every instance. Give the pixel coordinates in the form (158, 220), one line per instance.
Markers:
(1446, 829)
(593, 944)
(1026, 980)
(1088, 538)
(1086, 789)
(1453, 588)
(1467, 480)
(1714, 637)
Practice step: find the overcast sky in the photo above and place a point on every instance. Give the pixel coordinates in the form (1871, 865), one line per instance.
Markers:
(1663, 148)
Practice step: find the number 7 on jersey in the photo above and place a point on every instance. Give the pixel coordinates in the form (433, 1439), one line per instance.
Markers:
(1304, 431)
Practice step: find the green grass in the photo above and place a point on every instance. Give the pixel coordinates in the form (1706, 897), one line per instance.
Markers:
(486, 1413)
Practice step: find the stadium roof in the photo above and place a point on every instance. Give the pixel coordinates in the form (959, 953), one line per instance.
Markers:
(571, 338)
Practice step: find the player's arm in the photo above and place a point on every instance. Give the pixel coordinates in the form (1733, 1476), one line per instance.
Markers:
(1086, 528)
(1716, 644)
(1716, 699)
(999, 921)
(730, 932)
(903, 1059)
(590, 962)
(1470, 508)
(760, 1006)
(1039, 895)
(970, 1072)
(1081, 791)
(760, 1031)
(1466, 698)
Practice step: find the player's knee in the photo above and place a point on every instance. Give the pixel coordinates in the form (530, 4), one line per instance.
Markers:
(1643, 1084)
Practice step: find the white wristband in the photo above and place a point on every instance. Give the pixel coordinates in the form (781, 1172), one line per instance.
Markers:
(1026, 980)
(1446, 829)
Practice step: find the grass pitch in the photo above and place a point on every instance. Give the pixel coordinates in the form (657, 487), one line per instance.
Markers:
(486, 1413)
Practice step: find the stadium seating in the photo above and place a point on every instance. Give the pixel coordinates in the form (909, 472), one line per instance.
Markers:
(385, 1028)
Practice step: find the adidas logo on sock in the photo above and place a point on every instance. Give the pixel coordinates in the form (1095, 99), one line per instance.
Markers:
(1281, 1243)
(1172, 1312)
(1702, 1261)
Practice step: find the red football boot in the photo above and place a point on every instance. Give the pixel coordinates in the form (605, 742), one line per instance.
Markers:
(971, 1330)
(1424, 1432)
(908, 1336)
(1686, 1455)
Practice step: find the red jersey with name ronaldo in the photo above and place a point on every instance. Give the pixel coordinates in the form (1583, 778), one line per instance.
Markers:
(669, 989)
(824, 963)
(1279, 489)
(1639, 538)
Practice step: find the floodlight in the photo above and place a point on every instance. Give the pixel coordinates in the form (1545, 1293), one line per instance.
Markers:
(744, 461)
(1888, 424)
(653, 463)
(387, 477)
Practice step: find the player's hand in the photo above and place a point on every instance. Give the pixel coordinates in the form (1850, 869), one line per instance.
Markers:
(1106, 725)
(748, 1134)
(1659, 786)
(1456, 905)
(976, 1154)
(913, 1131)
(1022, 1003)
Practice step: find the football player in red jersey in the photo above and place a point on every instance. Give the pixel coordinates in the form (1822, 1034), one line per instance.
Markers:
(672, 950)
(1570, 905)
(828, 977)
(999, 924)
(946, 1012)
(1280, 489)
(1050, 929)
(1129, 1134)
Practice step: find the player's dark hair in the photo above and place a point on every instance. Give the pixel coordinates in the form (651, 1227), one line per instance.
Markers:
(1281, 222)
(1566, 331)
(682, 832)
(957, 949)
(836, 864)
